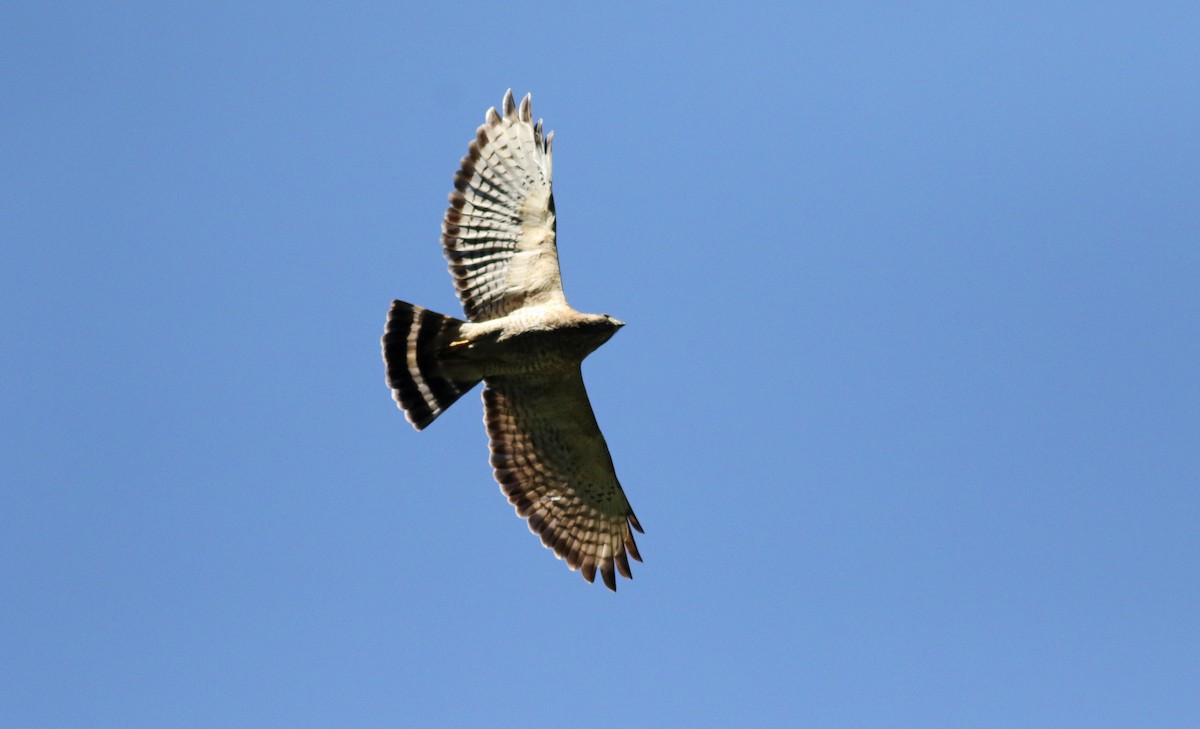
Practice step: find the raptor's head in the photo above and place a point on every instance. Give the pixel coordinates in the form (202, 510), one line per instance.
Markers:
(598, 329)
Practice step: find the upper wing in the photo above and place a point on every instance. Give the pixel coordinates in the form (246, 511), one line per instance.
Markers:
(498, 233)
(552, 463)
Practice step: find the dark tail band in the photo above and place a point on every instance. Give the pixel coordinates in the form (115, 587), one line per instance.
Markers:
(414, 342)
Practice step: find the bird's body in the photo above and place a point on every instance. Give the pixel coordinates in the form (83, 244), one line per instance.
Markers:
(536, 339)
(525, 342)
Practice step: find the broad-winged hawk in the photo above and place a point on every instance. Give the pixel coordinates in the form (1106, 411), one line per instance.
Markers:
(526, 344)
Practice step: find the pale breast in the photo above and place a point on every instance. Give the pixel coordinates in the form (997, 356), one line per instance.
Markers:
(531, 339)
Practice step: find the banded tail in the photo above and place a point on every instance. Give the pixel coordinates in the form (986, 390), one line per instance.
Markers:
(416, 345)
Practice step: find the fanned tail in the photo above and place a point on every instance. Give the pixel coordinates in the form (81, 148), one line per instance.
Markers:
(416, 342)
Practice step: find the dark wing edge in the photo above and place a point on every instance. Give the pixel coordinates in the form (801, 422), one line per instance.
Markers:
(552, 463)
(498, 235)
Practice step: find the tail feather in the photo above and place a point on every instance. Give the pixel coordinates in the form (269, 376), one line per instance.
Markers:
(415, 343)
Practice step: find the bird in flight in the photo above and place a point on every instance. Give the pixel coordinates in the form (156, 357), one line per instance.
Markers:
(525, 343)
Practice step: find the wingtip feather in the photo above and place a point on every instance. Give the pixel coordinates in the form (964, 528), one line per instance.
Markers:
(606, 572)
(631, 547)
(623, 565)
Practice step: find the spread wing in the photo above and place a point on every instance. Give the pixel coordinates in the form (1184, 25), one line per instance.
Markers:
(498, 233)
(551, 461)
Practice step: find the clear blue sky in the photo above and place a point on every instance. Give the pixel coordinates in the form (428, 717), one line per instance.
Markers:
(908, 402)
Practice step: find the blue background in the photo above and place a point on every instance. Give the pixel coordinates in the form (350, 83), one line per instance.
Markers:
(908, 400)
